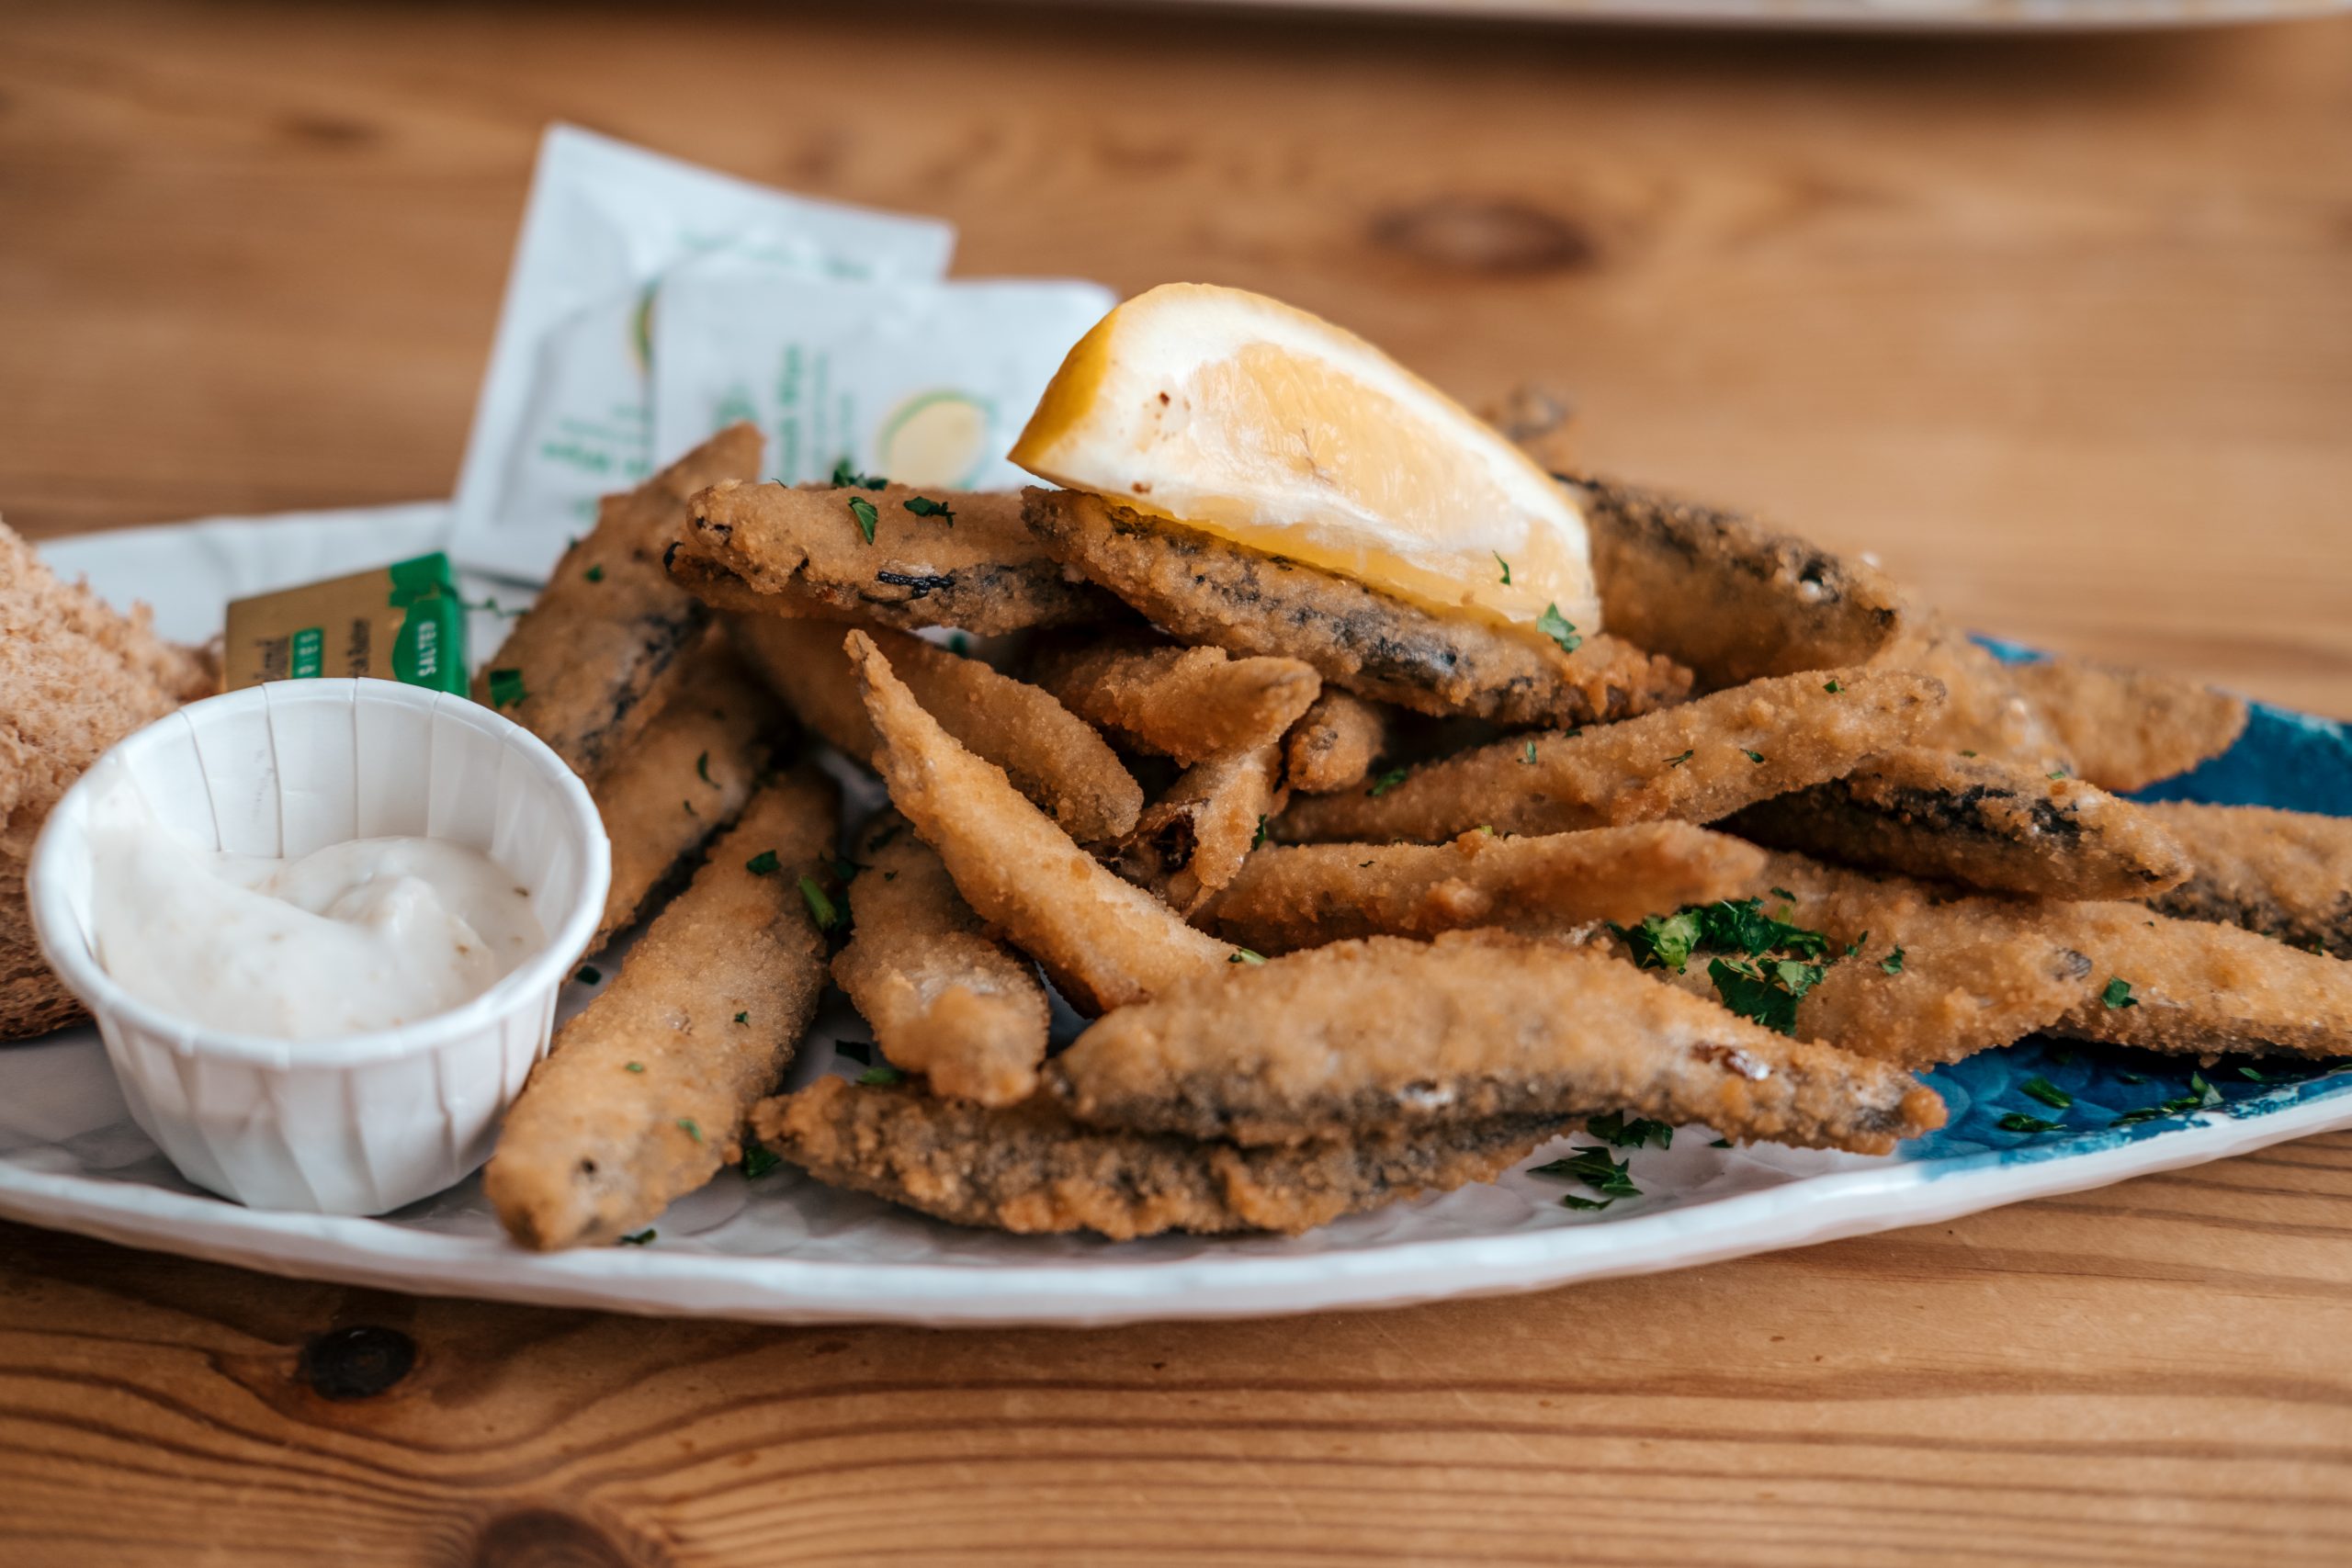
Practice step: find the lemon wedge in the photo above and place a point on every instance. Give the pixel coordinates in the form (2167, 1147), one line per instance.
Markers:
(1247, 418)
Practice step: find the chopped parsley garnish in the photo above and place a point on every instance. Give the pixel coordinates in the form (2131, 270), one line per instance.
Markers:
(595, 573)
(1553, 624)
(1832, 687)
(958, 644)
(847, 477)
(923, 506)
(2200, 1096)
(743, 1017)
(1766, 993)
(1529, 755)
(687, 1125)
(2049, 1093)
(1782, 894)
(2019, 1122)
(863, 509)
(689, 807)
(881, 1076)
(637, 1066)
(588, 974)
(1386, 782)
(701, 768)
(1721, 1144)
(2117, 994)
(2059, 774)
(506, 688)
(758, 1160)
(1593, 1168)
(1243, 956)
(1663, 942)
(821, 907)
(1589, 1205)
(1260, 836)
(638, 1239)
(1771, 963)
(762, 864)
(1610, 1127)
(1893, 962)
(1678, 761)
(1968, 753)
(1751, 756)
(1504, 564)
(2251, 1075)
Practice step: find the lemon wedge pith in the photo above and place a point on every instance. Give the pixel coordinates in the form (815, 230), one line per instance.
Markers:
(1247, 418)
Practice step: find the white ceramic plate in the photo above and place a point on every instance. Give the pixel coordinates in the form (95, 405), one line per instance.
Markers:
(783, 1249)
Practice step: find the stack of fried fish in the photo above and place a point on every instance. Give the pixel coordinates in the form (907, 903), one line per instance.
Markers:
(1364, 900)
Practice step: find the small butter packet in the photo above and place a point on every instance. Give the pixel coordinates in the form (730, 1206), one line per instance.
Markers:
(564, 413)
(403, 621)
(926, 383)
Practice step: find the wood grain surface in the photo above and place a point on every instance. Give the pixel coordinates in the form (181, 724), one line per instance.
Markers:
(2060, 328)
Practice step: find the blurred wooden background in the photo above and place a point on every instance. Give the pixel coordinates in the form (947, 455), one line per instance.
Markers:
(2061, 328)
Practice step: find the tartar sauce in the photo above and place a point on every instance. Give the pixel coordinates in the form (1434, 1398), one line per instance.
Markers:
(353, 937)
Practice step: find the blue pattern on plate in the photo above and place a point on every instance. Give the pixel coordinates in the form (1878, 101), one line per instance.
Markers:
(2284, 759)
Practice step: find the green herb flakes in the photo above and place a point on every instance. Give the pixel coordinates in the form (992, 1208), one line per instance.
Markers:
(1751, 756)
(758, 1160)
(863, 509)
(1608, 1176)
(1612, 1128)
(764, 863)
(1553, 624)
(588, 974)
(1586, 1205)
(880, 1075)
(1258, 837)
(2049, 1093)
(1243, 956)
(1386, 782)
(1832, 687)
(2019, 1122)
(821, 907)
(1528, 756)
(638, 1238)
(1662, 941)
(847, 477)
(2117, 994)
(637, 1066)
(506, 688)
(702, 769)
(595, 573)
(923, 506)
(743, 1017)
(687, 1125)
(1893, 962)
(1505, 565)
(1678, 761)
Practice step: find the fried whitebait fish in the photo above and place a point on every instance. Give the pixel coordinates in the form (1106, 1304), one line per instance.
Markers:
(1288, 897)
(1052, 756)
(1206, 590)
(1732, 599)
(2284, 874)
(644, 1095)
(1191, 840)
(1985, 713)
(1884, 967)
(945, 999)
(1978, 822)
(1389, 1032)
(1334, 745)
(2183, 986)
(1699, 762)
(1028, 1168)
(897, 555)
(2128, 728)
(685, 778)
(583, 668)
(1104, 942)
(1191, 703)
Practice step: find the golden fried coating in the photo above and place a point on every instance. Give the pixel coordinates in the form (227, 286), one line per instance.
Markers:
(1290, 897)
(2128, 728)
(944, 998)
(2285, 873)
(775, 549)
(685, 778)
(1333, 747)
(590, 652)
(1191, 840)
(1725, 595)
(1028, 1168)
(1205, 590)
(1920, 975)
(1985, 713)
(1104, 942)
(645, 1093)
(1978, 822)
(1053, 756)
(1191, 703)
(1699, 762)
(1470, 1026)
(2205, 988)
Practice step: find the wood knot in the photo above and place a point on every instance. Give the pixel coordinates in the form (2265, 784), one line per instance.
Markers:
(355, 1363)
(1500, 238)
(548, 1538)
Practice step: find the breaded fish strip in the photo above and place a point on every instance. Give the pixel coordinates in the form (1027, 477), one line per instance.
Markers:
(1191, 840)
(645, 1093)
(1105, 942)
(775, 549)
(1702, 761)
(1725, 595)
(2128, 728)
(1289, 897)
(2285, 873)
(1333, 747)
(944, 998)
(1985, 713)
(1921, 976)
(685, 778)
(2205, 988)
(1205, 590)
(590, 653)
(1028, 1168)
(1978, 822)
(1470, 1026)
(1053, 756)
(1191, 703)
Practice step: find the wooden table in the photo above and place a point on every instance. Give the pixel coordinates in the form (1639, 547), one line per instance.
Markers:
(2062, 328)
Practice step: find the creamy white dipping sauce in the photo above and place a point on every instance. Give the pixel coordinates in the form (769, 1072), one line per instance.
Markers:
(350, 938)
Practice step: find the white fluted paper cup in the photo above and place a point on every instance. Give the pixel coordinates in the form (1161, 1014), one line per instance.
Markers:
(370, 1122)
